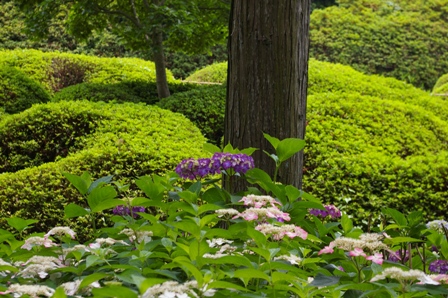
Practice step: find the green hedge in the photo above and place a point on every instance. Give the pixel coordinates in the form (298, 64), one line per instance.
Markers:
(59, 70)
(405, 39)
(18, 92)
(125, 140)
(215, 73)
(441, 86)
(204, 106)
(127, 91)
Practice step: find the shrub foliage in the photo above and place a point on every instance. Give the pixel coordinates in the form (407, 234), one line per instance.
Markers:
(122, 140)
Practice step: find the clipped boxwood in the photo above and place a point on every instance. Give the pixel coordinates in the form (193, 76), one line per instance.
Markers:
(18, 92)
(127, 91)
(441, 86)
(125, 140)
(215, 73)
(404, 39)
(58, 70)
(204, 106)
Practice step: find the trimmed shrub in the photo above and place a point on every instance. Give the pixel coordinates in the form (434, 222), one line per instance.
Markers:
(215, 73)
(405, 39)
(126, 141)
(49, 68)
(441, 87)
(204, 106)
(18, 92)
(127, 91)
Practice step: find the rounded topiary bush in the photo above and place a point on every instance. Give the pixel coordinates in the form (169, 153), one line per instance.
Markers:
(128, 91)
(18, 92)
(204, 106)
(125, 140)
(59, 70)
(215, 73)
(441, 86)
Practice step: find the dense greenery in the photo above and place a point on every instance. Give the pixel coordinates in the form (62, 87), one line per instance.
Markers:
(122, 140)
(204, 106)
(18, 92)
(363, 145)
(215, 73)
(441, 86)
(405, 39)
(59, 70)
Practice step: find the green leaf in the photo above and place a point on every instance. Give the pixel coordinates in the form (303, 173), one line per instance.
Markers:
(272, 140)
(86, 281)
(257, 236)
(347, 223)
(92, 260)
(226, 285)
(232, 260)
(99, 195)
(321, 280)
(397, 240)
(214, 196)
(108, 204)
(248, 151)
(80, 183)
(114, 291)
(288, 147)
(397, 216)
(211, 148)
(20, 224)
(59, 293)
(99, 182)
(249, 273)
(73, 210)
(152, 190)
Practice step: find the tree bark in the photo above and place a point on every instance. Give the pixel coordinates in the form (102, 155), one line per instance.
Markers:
(267, 79)
(159, 61)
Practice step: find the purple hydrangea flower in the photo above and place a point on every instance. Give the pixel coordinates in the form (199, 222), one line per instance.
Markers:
(124, 210)
(198, 168)
(398, 255)
(439, 266)
(330, 210)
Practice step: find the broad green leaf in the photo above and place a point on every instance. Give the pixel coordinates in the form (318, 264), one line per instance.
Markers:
(211, 148)
(347, 223)
(88, 280)
(288, 147)
(397, 216)
(232, 260)
(251, 273)
(8, 268)
(114, 291)
(107, 204)
(59, 293)
(214, 196)
(272, 140)
(82, 185)
(321, 280)
(100, 194)
(248, 151)
(73, 210)
(152, 190)
(195, 188)
(92, 260)
(397, 240)
(293, 193)
(226, 285)
(188, 267)
(208, 207)
(149, 282)
(307, 205)
(99, 182)
(228, 148)
(257, 236)
(20, 224)
(262, 252)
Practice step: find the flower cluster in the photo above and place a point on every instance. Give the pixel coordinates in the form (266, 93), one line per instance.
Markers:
(403, 276)
(221, 161)
(278, 232)
(124, 210)
(262, 214)
(259, 201)
(439, 266)
(438, 225)
(330, 210)
(173, 289)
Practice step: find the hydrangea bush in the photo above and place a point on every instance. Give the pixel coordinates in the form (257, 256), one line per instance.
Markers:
(189, 237)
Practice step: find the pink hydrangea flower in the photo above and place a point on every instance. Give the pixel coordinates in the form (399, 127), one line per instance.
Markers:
(376, 258)
(327, 249)
(357, 252)
(298, 232)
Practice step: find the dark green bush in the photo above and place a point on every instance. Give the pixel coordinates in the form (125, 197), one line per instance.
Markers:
(405, 39)
(125, 140)
(204, 106)
(128, 91)
(18, 92)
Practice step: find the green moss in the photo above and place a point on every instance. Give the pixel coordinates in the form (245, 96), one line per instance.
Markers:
(18, 92)
(125, 140)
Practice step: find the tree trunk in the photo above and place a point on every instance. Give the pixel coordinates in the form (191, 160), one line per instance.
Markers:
(267, 79)
(159, 60)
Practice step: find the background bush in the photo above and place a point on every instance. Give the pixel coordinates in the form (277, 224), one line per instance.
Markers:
(204, 106)
(405, 39)
(126, 141)
(59, 70)
(127, 91)
(441, 86)
(18, 92)
(215, 73)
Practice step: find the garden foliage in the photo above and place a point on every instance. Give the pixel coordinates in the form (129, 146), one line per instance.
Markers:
(405, 39)
(125, 140)
(18, 92)
(441, 86)
(192, 238)
(215, 73)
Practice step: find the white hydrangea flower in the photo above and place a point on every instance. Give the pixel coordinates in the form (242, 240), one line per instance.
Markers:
(19, 290)
(61, 231)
